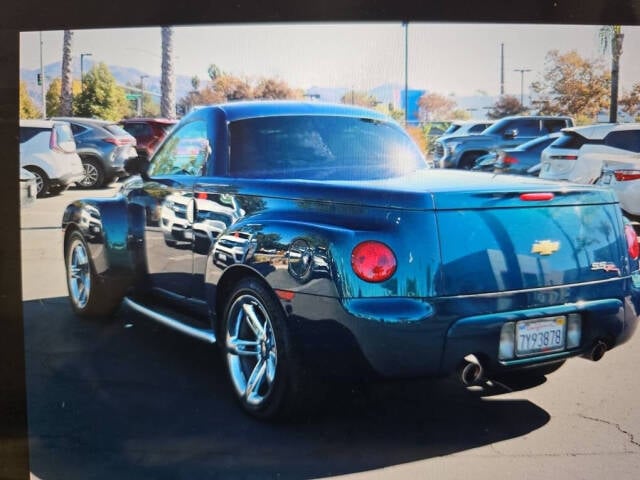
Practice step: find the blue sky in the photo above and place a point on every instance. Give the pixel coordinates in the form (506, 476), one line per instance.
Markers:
(446, 58)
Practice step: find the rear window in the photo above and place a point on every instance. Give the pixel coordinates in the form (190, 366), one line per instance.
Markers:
(478, 128)
(321, 147)
(624, 139)
(452, 128)
(138, 129)
(27, 133)
(571, 140)
(116, 130)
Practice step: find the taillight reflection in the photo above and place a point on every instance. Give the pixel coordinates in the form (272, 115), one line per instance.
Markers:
(632, 241)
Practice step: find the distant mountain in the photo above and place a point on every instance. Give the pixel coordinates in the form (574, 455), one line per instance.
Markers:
(386, 93)
(123, 75)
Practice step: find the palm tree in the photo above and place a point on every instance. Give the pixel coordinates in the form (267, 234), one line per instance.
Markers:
(167, 82)
(66, 93)
(611, 37)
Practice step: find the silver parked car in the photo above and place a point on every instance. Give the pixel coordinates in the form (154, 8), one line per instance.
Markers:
(48, 151)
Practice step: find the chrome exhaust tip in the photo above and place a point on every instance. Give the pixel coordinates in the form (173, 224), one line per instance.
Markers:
(471, 371)
(598, 351)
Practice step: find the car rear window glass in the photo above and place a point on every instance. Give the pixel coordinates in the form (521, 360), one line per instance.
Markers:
(477, 128)
(624, 139)
(553, 125)
(77, 129)
(116, 130)
(452, 128)
(27, 133)
(138, 129)
(571, 140)
(321, 147)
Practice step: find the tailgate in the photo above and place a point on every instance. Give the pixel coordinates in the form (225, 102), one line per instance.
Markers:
(505, 242)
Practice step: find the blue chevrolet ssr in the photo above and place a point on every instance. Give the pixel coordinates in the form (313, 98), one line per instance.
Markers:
(311, 241)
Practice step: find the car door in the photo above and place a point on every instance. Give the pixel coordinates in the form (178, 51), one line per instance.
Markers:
(168, 198)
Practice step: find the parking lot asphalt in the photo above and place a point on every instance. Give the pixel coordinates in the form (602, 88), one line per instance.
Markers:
(129, 399)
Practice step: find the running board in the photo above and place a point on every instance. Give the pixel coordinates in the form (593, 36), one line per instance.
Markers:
(204, 334)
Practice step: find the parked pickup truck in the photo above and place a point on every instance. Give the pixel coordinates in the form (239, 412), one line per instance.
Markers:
(462, 151)
(343, 255)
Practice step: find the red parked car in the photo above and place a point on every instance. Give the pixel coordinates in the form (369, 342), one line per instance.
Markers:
(148, 132)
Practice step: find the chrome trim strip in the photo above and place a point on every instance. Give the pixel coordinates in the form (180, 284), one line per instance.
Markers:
(538, 289)
(175, 296)
(199, 333)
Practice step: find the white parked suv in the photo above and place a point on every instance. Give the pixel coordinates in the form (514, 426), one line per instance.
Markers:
(48, 150)
(579, 154)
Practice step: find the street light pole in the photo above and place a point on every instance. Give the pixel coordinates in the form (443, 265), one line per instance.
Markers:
(42, 82)
(82, 55)
(522, 72)
(406, 72)
(142, 77)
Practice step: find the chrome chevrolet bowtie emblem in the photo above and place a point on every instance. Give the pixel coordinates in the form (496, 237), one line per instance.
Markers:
(545, 247)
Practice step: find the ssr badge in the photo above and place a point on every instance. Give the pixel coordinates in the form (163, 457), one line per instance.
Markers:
(605, 267)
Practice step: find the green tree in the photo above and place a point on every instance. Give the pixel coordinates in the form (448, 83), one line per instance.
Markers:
(231, 88)
(363, 99)
(27, 108)
(54, 94)
(611, 38)
(630, 101)
(572, 85)
(102, 97)
(506, 105)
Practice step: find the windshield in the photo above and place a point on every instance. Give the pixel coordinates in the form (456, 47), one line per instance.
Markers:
(321, 147)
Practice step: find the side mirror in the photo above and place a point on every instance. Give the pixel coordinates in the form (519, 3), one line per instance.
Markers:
(137, 166)
(513, 133)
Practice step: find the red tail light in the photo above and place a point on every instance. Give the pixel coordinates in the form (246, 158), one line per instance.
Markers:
(626, 175)
(373, 261)
(119, 142)
(507, 160)
(632, 241)
(53, 141)
(537, 197)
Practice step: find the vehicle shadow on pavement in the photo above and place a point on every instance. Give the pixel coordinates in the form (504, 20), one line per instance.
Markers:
(129, 399)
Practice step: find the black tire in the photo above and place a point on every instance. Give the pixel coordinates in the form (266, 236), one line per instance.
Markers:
(256, 345)
(468, 160)
(93, 173)
(88, 294)
(42, 181)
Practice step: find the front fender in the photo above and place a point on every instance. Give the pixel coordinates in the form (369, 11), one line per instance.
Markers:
(114, 232)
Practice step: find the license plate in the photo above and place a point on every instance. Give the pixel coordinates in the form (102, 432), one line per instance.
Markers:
(222, 257)
(541, 335)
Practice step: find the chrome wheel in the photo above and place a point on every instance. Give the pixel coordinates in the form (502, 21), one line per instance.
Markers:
(252, 354)
(78, 273)
(91, 175)
(39, 183)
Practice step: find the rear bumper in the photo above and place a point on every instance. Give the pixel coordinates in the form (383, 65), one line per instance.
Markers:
(405, 337)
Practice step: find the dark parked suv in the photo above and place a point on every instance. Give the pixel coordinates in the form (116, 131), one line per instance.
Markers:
(103, 147)
(148, 132)
(462, 151)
